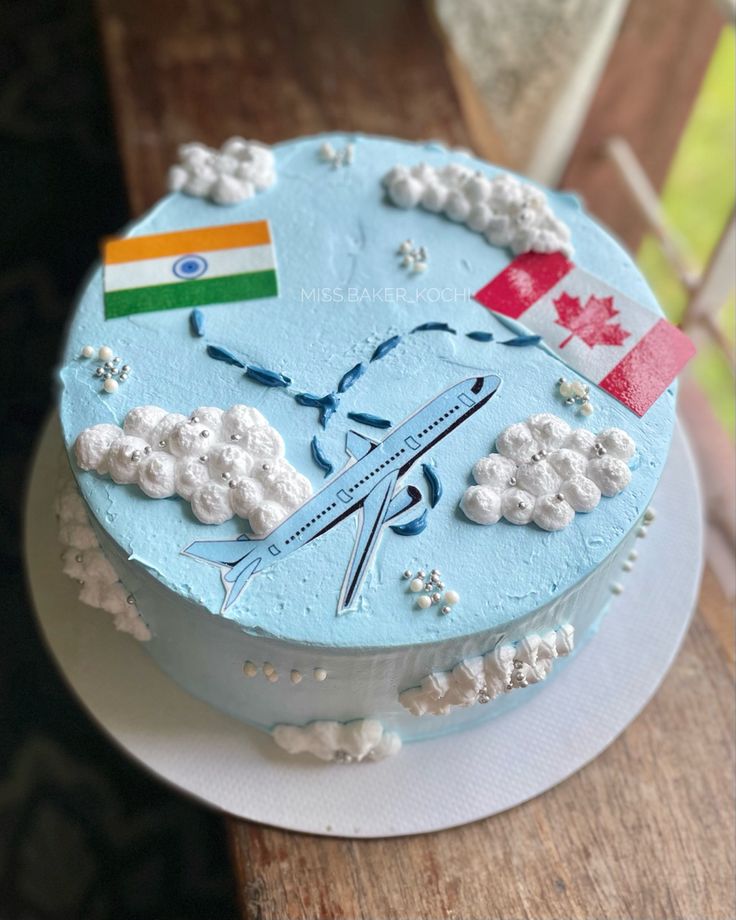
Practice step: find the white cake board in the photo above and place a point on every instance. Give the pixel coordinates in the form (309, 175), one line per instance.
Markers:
(430, 785)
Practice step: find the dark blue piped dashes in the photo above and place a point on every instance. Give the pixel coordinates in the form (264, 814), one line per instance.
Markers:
(196, 322)
(434, 483)
(327, 405)
(385, 347)
(434, 327)
(320, 458)
(222, 354)
(522, 341)
(480, 336)
(267, 378)
(365, 418)
(347, 380)
(411, 528)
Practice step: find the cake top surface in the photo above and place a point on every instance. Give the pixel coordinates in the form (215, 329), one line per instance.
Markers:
(343, 293)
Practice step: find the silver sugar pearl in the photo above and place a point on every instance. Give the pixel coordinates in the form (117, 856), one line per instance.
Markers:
(130, 600)
(406, 573)
(162, 443)
(116, 360)
(512, 480)
(123, 377)
(235, 437)
(483, 696)
(521, 505)
(570, 401)
(194, 419)
(99, 372)
(147, 449)
(232, 484)
(518, 663)
(445, 610)
(204, 433)
(79, 558)
(125, 368)
(136, 455)
(421, 574)
(204, 458)
(266, 467)
(560, 497)
(436, 597)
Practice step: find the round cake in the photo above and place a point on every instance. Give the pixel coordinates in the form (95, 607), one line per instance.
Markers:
(334, 483)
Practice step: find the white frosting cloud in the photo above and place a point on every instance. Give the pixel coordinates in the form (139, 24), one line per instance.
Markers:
(479, 680)
(343, 742)
(545, 472)
(223, 463)
(231, 174)
(84, 561)
(505, 210)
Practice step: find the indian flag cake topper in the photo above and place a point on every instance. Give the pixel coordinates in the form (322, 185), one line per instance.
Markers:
(189, 268)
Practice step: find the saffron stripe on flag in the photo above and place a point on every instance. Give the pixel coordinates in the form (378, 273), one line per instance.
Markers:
(206, 239)
(650, 367)
(191, 293)
(523, 282)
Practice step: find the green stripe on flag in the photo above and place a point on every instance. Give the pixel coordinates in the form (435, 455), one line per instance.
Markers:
(191, 293)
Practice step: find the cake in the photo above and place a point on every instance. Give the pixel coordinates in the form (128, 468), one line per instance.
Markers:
(338, 483)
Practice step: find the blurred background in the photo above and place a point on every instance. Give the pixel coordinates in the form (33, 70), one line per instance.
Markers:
(93, 102)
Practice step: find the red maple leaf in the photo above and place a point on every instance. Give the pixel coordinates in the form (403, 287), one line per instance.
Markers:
(590, 323)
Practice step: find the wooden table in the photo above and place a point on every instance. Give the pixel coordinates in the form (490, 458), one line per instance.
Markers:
(647, 830)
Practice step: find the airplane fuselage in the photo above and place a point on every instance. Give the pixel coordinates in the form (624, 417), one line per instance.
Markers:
(399, 451)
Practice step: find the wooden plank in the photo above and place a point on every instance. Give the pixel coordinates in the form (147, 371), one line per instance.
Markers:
(645, 830)
(645, 95)
(183, 70)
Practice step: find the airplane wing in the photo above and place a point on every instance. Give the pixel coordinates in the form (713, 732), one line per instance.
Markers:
(371, 518)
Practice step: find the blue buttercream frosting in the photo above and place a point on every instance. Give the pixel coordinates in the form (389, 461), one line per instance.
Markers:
(342, 297)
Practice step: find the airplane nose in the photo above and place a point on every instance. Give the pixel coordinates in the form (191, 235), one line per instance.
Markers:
(489, 383)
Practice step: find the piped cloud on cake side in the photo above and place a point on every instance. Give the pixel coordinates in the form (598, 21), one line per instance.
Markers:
(508, 667)
(236, 171)
(224, 463)
(544, 472)
(339, 742)
(508, 212)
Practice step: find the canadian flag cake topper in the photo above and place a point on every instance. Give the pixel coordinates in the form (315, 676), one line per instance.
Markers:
(618, 344)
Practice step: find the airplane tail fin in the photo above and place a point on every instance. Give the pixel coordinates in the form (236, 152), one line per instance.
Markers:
(238, 561)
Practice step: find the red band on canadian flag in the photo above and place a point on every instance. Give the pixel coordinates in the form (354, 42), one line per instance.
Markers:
(618, 344)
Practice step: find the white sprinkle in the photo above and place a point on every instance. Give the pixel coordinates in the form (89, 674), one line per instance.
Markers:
(586, 408)
(105, 353)
(250, 669)
(88, 351)
(633, 555)
(627, 566)
(320, 674)
(452, 597)
(424, 601)
(272, 678)
(296, 677)
(641, 532)
(268, 668)
(110, 385)
(616, 588)
(416, 584)
(649, 515)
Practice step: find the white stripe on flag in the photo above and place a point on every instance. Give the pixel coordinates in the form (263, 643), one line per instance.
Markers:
(594, 363)
(221, 262)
